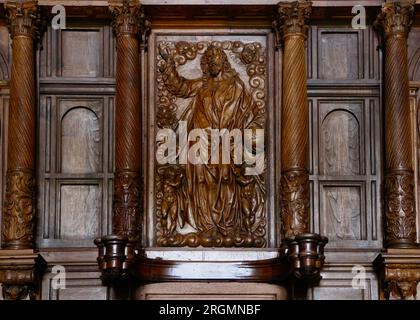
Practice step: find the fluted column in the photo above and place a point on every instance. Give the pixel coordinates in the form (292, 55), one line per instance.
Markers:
(20, 203)
(395, 20)
(291, 26)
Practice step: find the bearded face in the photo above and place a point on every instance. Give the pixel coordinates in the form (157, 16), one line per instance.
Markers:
(215, 59)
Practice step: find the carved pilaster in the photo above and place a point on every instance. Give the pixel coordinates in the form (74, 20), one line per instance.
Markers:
(399, 271)
(20, 274)
(395, 20)
(25, 26)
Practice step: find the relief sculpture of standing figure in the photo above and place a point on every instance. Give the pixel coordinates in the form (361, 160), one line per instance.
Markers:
(217, 199)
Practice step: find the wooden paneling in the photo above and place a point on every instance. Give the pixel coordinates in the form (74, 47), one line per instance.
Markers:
(338, 48)
(82, 280)
(79, 51)
(76, 135)
(80, 211)
(346, 169)
(342, 53)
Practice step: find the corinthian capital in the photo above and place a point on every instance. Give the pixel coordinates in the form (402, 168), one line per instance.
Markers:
(292, 18)
(396, 17)
(128, 17)
(24, 19)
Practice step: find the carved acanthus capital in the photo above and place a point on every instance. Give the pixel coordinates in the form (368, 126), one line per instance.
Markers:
(128, 17)
(396, 18)
(25, 19)
(20, 273)
(292, 19)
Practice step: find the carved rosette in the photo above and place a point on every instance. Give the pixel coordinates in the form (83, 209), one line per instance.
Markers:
(128, 17)
(396, 18)
(294, 202)
(127, 204)
(292, 19)
(24, 19)
(19, 209)
(399, 210)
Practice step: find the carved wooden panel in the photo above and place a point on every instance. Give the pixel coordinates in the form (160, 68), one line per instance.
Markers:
(81, 133)
(343, 212)
(341, 149)
(76, 165)
(211, 204)
(414, 54)
(342, 53)
(345, 170)
(81, 53)
(78, 51)
(339, 49)
(80, 211)
(5, 54)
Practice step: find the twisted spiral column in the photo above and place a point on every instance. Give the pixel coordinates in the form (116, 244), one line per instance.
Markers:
(395, 20)
(129, 23)
(20, 205)
(291, 26)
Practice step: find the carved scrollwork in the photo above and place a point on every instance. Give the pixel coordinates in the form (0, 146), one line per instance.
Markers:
(294, 202)
(212, 204)
(19, 210)
(127, 209)
(399, 210)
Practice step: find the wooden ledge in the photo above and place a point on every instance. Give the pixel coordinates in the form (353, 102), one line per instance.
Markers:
(159, 270)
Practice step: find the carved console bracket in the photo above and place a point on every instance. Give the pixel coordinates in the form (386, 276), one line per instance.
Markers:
(20, 274)
(306, 255)
(116, 255)
(399, 273)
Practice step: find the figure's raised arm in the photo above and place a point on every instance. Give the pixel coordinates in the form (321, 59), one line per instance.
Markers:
(176, 84)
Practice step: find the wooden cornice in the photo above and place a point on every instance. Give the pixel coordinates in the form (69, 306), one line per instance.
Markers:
(220, 13)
